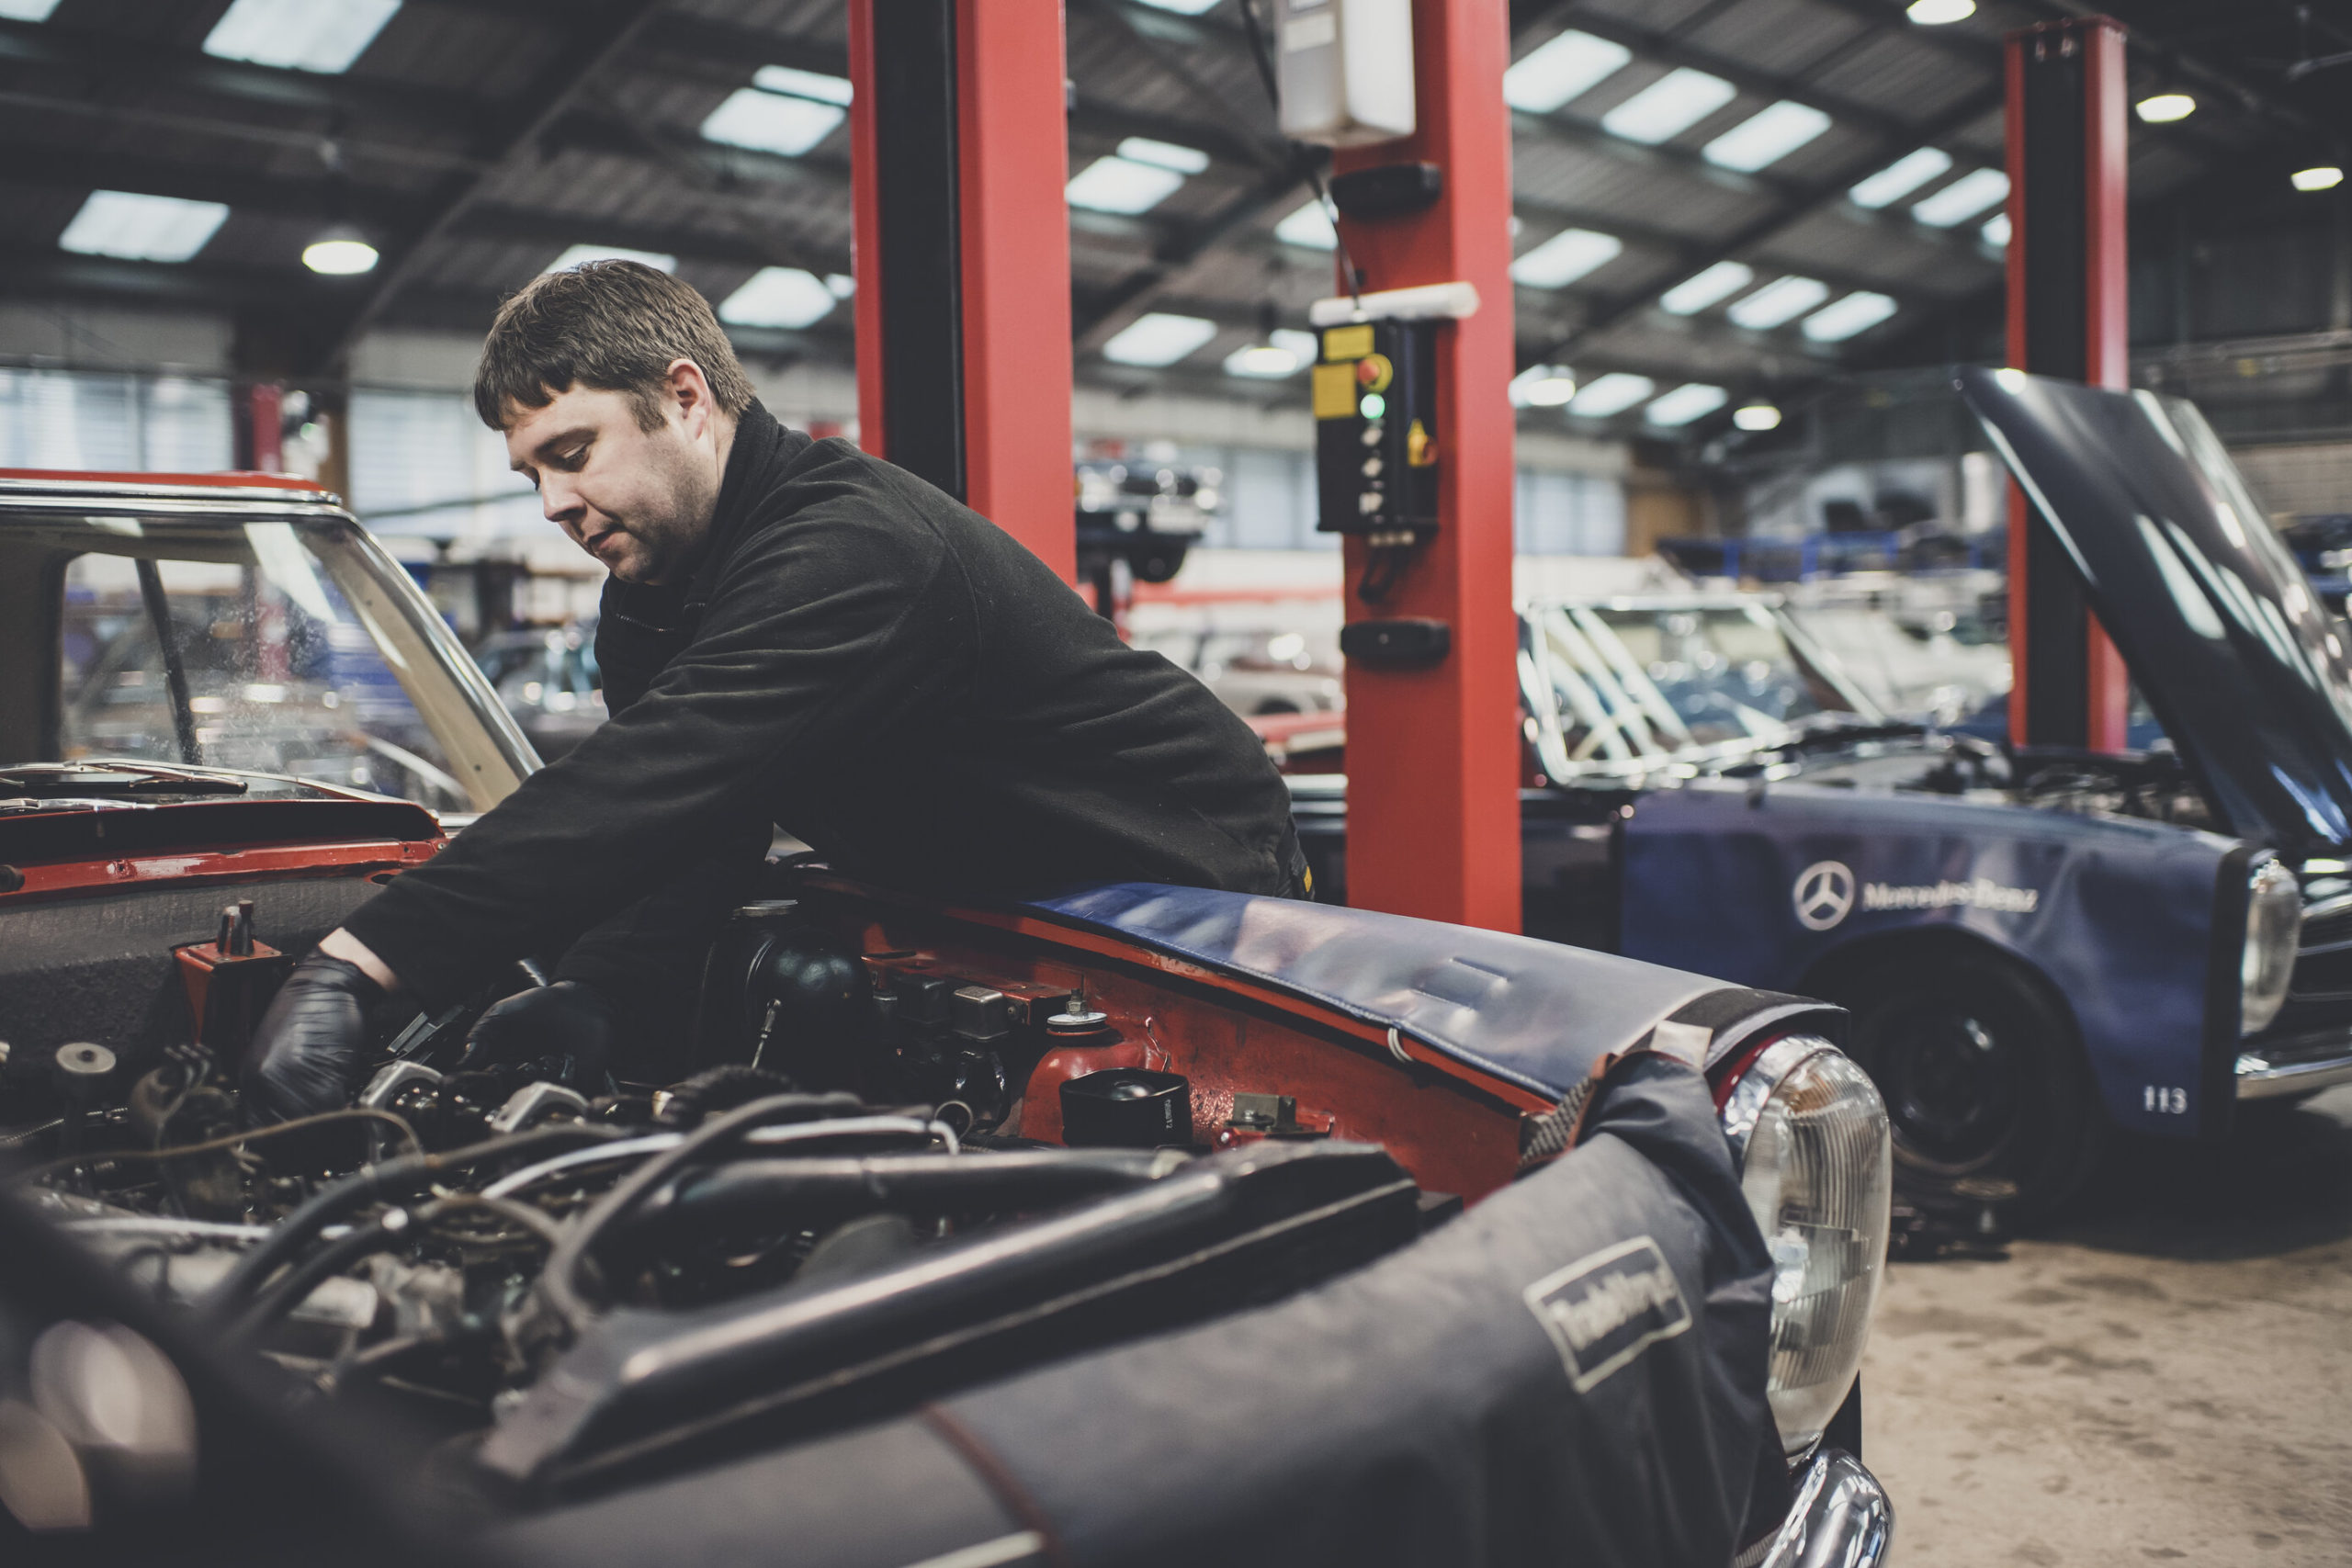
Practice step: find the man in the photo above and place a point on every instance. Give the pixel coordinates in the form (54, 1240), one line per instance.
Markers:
(794, 633)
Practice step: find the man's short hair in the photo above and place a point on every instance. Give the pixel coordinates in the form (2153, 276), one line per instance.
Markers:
(616, 325)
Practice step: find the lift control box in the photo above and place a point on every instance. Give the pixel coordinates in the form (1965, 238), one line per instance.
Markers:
(1376, 430)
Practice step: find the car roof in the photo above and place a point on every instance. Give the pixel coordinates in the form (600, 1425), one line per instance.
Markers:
(27, 483)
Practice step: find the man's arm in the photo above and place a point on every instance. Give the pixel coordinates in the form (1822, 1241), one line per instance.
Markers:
(341, 943)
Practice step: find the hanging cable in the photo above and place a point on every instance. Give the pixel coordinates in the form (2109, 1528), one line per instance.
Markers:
(1350, 275)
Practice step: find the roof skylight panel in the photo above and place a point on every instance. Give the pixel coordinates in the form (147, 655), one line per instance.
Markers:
(1286, 351)
(1996, 232)
(1113, 184)
(1159, 339)
(141, 228)
(1963, 198)
(324, 36)
(1766, 137)
(1693, 400)
(1309, 227)
(27, 11)
(1712, 286)
(779, 296)
(1857, 312)
(784, 111)
(1900, 178)
(1183, 7)
(579, 254)
(1778, 303)
(1564, 257)
(1163, 154)
(1669, 107)
(1611, 394)
(1567, 67)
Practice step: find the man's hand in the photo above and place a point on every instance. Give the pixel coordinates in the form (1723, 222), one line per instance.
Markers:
(308, 1049)
(568, 1019)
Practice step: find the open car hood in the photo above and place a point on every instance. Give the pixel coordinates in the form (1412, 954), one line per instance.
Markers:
(2223, 635)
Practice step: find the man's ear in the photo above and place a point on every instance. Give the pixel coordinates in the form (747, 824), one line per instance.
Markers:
(690, 392)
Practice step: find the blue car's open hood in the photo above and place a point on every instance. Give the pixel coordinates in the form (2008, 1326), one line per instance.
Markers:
(1530, 1012)
(2212, 612)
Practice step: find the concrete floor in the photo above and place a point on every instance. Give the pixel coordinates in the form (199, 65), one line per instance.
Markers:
(2166, 1376)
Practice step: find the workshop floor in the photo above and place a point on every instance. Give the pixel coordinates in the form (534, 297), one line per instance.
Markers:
(2167, 1376)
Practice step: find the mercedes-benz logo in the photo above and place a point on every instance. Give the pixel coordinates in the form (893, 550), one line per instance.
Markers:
(1824, 894)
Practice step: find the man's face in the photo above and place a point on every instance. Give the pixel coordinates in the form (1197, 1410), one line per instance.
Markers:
(640, 501)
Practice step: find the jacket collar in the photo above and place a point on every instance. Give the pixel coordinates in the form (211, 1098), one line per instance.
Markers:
(762, 455)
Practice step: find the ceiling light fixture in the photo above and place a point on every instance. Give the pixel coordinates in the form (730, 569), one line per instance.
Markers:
(1669, 107)
(1765, 137)
(27, 11)
(1183, 7)
(1712, 286)
(1564, 257)
(1309, 227)
(1857, 312)
(341, 251)
(1543, 387)
(785, 297)
(1693, 400)
(1758, 414)
(2326, 176)
(1611, 394)
(784, 111)
(1996, 232)
(141, 228)
(1938, 13)
(1163, 154)
(1900, 178)
(1284, 352)
(1963, 198)
(1158, 339)
(1778, 303)
(579, 254)
(1113, 184)
(1566, 68)
(798, 84)
(324, 36)
(2162, 108)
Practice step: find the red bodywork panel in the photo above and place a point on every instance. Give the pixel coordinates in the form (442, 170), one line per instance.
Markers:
(233, 480)
(225, 865)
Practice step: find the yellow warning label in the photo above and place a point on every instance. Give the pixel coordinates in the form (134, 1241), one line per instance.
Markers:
(1420, 451)
(1347, 342)
(1335, 391)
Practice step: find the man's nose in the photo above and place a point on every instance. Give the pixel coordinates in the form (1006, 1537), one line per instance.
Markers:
(562, 503)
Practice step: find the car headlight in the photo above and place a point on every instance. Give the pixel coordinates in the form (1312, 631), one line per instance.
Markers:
(2274, 927)
(1815, 1163)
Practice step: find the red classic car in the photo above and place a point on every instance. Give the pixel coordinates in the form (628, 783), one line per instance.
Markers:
(1138, 1225)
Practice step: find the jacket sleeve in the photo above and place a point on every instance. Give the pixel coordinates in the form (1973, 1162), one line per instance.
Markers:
(819, 628)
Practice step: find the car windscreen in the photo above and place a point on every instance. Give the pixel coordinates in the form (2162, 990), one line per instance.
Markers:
(292, 648)
(1614, 687)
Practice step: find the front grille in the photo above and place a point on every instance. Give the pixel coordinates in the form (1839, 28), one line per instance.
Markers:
(2328, 924)
(2321, 977)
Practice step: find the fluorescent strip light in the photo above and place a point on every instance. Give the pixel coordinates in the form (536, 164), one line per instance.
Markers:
(1309, 227)
(1564, 257)
(1937, 12)
(579, 254)
(1567, 67)
(778, 297)
(1778, 303)
(840, 285)
(803, 84)
(1693, 400)
(1857, 312)
(1121, 185)
(1669, 107)
(2162, 108)
(1900, 178)
(1757, 415)
(1766, 137)
(1163, 154)
(1712, 286)
(1159, 339)
(27, 11)
(1285, 353)
(771, 122)
(1963, 198)
(1611, 394)
(2325, 177)
(1181, 7)
(141, 228)
(1996, 232)
(325, 36)
(1543, 387)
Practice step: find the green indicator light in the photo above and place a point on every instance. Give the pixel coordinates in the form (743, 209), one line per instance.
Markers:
(1373, 406)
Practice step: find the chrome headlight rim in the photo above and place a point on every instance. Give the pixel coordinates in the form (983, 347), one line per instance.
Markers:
(1825, 1218)
(2274, 926)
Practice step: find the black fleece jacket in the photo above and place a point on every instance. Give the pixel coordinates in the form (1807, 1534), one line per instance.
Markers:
(887, 675)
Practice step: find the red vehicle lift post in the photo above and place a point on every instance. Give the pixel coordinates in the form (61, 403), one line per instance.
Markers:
(1434, 754)
(2068, 288)
(958, 157)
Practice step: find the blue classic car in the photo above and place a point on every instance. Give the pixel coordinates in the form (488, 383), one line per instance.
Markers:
(1138, 1225)
(2036, 945)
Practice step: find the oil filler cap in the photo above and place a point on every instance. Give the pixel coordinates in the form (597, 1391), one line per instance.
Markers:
(1127, 1107)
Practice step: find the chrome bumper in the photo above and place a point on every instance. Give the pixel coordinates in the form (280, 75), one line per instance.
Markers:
(2303, 1065)
(1840, 1519)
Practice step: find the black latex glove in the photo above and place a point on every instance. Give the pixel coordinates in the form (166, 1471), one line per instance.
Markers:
(569, 1026)
(309, 1046)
